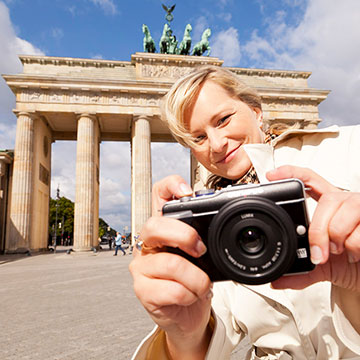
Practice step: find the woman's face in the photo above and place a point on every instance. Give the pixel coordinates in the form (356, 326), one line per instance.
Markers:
(221, 126)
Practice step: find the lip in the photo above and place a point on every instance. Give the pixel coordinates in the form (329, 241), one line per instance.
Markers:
(229, 156)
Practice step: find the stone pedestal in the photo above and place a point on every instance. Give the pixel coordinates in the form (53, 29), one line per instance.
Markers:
(87, 155)
(140, 172)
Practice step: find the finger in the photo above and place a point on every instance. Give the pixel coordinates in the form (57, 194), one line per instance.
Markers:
(319, 229)
(297, 282)
(158, 293)
(335, 219)
(173, 233)
(158, 284)
(171, 187)
(316, 184)
(344, 221)
(352, 245)
(175, 268)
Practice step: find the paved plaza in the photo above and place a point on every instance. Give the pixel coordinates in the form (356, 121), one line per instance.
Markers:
(60, 306)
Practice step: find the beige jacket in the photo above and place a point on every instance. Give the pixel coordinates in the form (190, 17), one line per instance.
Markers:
(289, 324)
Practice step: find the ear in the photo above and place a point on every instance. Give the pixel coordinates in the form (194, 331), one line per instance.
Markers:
(259, 116)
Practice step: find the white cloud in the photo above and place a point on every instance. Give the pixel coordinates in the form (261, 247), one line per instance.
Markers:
(10, 47)
(108, 6)
(227, 17)
(170, 159)
(72, 10)
(63, 168)
(200, 25)
(226, 46)
(7, 135)
(327, 42)
(57, 33)
(97, 57)
(115, 178)
(115, 183)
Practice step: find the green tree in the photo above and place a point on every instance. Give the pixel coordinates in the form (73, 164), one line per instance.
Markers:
(65, 216)
(103, 228)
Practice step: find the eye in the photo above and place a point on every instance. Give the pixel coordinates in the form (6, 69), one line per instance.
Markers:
(224, 120)
(199, 139)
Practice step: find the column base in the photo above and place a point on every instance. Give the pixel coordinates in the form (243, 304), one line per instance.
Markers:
(87, 249)
(20, 250)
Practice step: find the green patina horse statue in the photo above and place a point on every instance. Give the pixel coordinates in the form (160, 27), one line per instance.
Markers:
(185, 45)
(165, 40)
(149, 43)
(203, 45)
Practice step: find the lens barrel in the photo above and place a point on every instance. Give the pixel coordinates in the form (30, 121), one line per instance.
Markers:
(252, 240)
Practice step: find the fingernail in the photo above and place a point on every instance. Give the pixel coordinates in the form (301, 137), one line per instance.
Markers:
(333, 248)
(210, 294)
(200, 248)
(185, 189)
(316, 255)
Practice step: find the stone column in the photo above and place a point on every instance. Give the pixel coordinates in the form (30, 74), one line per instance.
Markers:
(140, 172)
(86, 182)
(18, 239)
(2, 173)
(199, 174)
(5, 161)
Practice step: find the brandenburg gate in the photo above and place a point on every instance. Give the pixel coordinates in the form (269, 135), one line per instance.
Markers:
(90, 101)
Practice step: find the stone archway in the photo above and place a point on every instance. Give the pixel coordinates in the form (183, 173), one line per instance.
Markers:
(98, 100)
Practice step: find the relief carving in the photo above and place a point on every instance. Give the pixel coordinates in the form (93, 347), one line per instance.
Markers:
(54, 97)
(71, 97)
(95, 98)
(159, 71)
(44, 175)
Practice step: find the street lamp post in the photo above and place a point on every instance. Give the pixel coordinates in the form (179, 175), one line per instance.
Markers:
(56, 217)
(108, 236)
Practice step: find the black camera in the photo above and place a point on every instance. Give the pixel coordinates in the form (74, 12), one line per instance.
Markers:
(254, 233)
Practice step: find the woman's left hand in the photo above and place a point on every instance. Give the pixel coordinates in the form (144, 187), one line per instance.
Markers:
(334, 232)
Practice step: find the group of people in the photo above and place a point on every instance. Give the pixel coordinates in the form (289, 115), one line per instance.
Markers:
(315, 315)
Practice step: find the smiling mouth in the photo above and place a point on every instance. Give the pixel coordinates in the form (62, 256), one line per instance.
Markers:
(229, 156)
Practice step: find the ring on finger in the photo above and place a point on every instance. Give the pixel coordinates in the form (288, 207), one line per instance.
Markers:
(140, 245)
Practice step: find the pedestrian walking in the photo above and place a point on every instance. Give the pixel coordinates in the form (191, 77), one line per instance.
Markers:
(118, 242)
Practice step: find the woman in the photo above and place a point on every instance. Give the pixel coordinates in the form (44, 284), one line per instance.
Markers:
(220, 119)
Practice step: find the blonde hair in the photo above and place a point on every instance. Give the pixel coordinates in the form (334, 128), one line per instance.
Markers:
(182, 94)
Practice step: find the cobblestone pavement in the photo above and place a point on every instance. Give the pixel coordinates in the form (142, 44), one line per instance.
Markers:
(60, 306)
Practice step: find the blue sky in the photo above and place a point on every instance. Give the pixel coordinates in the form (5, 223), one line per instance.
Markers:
(111, 29)
(321, 36)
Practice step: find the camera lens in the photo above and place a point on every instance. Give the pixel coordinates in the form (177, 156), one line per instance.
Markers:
(251, 239)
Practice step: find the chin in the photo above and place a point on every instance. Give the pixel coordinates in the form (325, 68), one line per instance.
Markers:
(231, 173)
(236, 173)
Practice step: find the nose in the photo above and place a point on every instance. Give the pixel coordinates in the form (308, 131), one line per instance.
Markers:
(217, 141)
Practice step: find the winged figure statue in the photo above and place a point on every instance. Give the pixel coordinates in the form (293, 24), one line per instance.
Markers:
(169, 16)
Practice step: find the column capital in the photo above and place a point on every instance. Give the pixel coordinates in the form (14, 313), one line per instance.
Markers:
(30, 114)
(141, 116)
(88, 115)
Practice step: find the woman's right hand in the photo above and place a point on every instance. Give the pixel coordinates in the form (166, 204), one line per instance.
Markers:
(175, 292)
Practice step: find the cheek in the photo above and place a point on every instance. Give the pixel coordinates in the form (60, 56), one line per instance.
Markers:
(258, 136)
(202, 156)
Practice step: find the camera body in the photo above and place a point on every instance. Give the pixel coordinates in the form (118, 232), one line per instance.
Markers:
(254, 233)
